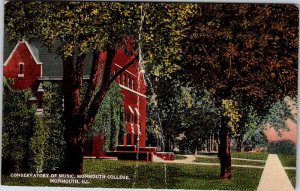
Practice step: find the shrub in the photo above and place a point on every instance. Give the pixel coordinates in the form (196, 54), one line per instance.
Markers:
(52, 119)
(282, 147)
(17, 128)
(37, 145)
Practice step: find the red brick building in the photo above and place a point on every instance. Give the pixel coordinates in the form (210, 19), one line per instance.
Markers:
(29, 64)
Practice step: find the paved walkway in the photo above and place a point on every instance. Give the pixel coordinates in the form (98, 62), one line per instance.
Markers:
(274, 177)
(190, 160)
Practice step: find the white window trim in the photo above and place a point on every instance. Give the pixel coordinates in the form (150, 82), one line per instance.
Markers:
(137, 111)
(131, 110)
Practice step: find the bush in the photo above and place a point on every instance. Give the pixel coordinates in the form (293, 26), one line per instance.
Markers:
(52, 119)
(32, 143)
(37, 145)
(282, 147)
(17, 128)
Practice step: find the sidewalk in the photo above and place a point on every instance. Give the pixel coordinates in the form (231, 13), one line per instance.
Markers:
(274, 177)
(190, 160)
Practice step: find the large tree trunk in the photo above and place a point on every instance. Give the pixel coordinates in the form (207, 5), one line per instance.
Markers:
(74, 151)
(74, 121)
(224, 150)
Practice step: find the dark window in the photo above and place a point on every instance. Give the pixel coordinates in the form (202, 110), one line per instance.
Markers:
(135, 119)
(135, 139)
(132, 84)
(121, 139)
(129, 82)
(21, 69)
(129, 139)
(128, 117)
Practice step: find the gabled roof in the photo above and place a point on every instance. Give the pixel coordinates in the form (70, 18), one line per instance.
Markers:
(52, 63)
(33, 51)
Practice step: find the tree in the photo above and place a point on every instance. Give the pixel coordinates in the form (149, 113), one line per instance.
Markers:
(241, 52)
(280, 111)
(99, 29)
(253, 129)
(199, 119)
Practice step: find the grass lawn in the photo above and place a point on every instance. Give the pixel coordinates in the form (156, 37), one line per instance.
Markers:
(233, 161)
(292, 176)
(250, 155)
(152, 175)
(180, 157)
(289, 161)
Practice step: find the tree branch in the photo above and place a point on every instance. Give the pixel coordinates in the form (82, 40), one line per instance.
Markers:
(95, 104)
(93, 81)
(123, 69)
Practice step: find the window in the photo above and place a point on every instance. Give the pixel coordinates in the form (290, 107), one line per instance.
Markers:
(119, 79)
(129, 81)
(129, 139)
(135, 139)
(124, 80)
(135, 119)
(132, 84)
(121, 139)
(128, 117)
(21, 69)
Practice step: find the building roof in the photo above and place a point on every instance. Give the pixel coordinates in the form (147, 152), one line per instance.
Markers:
(52, 63)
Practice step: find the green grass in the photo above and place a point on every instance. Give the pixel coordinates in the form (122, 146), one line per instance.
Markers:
(250, 155)
(292, 176)
(289, 161)
(180, 157)
(151, 175)
(233, 161)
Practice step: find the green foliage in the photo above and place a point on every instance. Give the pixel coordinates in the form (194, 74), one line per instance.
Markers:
(110, 117)
(280, 111)
(253, 128)
(199, 119)
(17, 128)
(52, 120)
(37, 145)
(247, 51)
(282, 147)
(81, 25)
(231, 111)
(32, 142)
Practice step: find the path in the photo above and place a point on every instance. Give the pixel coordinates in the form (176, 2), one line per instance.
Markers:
(190, 160)
(274, 177)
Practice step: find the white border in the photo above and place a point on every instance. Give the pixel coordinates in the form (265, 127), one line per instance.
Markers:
(9, 188)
